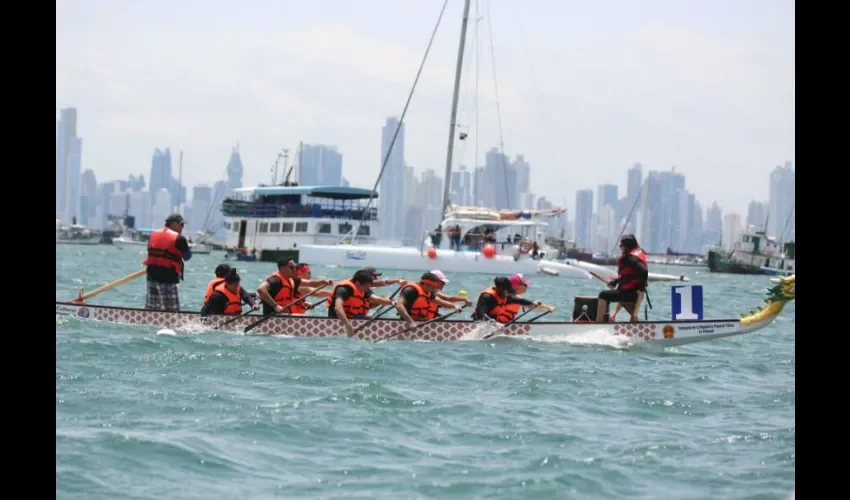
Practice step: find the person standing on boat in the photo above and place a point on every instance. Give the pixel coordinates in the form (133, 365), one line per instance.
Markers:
(492, 302)
(632, 277)
(351, 299)
(448, 298)
(280, 288)
(419, 301)
(220, 272)
(303, 272)
(228, 296)
(167, 250)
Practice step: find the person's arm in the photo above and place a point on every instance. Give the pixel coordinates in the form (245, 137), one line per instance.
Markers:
(248, 299)
(513, 299)
(314, 283)
(407, 296)
(445, 303)
(454, 298)
(265, 296)
(389, 281)
(343, 293)
(183, 246)
(485, 304)
(641, 270)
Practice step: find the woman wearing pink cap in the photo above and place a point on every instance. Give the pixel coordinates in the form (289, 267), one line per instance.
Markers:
(450, 298)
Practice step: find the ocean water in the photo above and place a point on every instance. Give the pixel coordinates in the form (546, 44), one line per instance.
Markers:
(201, 415)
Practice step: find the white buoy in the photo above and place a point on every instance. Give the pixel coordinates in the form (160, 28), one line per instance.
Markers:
(166, 331)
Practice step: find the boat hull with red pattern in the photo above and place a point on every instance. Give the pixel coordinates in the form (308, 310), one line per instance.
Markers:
(665, 333)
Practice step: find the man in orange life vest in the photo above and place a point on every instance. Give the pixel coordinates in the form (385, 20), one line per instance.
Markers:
(280, 288)
(419, 301)
(167, 249)
(494, 302)
(351, 298)
(228, 296)
(632, 276)
(220, 272)
(449, 298)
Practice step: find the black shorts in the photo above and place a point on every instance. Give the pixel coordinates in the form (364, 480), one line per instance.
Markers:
(619, 295)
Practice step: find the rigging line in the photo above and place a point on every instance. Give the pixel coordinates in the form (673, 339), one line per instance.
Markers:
(498, 107)
(626, 224)
(475, 182)
(214, 201)
(534, 82)
(787, 221)
(356, 229)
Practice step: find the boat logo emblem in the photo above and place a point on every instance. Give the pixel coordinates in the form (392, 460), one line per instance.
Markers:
(668, 331)
(83, 312)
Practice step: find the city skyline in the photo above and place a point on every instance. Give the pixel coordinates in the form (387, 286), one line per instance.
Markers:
(712, 95)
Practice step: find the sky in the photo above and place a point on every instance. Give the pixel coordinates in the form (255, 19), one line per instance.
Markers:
(585, 89)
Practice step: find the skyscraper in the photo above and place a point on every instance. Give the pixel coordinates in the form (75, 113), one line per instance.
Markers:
(584, 217)
(320, 165)
(68, 163)
(390, 207)
(234, 170)
(781, 202)
(633, 187)
(756, 215)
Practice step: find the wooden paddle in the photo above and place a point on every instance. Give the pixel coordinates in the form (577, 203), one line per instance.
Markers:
(509, 323)
(423, 323)
(270, 316)
(380, 312)
(81, 297)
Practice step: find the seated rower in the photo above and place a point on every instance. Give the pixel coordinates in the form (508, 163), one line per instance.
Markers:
(220, 272)
(419, 301)
(492, 302)
(227, 297)
(632, 277)
(280, 288)
(449, 298)
(303, 272)
(351, 299)
(520, 286)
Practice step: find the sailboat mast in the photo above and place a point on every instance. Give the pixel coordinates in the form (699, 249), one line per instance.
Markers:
(453, 121)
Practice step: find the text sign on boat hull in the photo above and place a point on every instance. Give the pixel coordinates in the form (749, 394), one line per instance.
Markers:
(66, 310)
(687, 302)
(700, 329)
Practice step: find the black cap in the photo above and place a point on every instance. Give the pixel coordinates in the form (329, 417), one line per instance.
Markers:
(371, 270)
(503, 283)
(221, 270)
(174, 218)
(362, 276)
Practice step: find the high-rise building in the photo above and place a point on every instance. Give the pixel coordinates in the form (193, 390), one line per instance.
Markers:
(320, 165)
(584, 218)
(461, 188)
(390, 205)
(781, 202)
(731, 230)
(68, 163)
(234, 170)
(607, 195)
(633, 188)
(756, 215)
(713, 227)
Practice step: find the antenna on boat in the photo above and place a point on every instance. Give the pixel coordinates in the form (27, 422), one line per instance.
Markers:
(453, 119)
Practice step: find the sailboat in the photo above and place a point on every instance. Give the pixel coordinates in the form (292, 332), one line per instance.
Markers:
(322, 225)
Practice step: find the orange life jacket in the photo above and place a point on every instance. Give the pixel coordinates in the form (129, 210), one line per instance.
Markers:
(234, 300)
(624, 272)
(500, 312)
(424, 307)
(355, 305)
(286, 294)
(298, 308)
(211, 288)
(162, 250)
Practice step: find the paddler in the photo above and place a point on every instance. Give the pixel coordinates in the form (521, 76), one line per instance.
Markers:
(492, 302)
(450, 298)
(220, 272)
(632, 277)
(419, 301)
(167, 250)
(280, 288)
(303, 272)
(520, 286)
(351, 298)
(228, 296)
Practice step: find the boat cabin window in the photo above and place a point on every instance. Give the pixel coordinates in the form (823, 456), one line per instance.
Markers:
(344, 228)
(274, 227)
(323, 228)
(264, 227)
(363, 231)
(287, 227)
(300, 227)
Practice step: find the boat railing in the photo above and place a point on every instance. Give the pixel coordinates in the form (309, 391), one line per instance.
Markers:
(268, 210)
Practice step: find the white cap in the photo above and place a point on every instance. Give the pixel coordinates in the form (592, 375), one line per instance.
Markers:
(439, 274)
